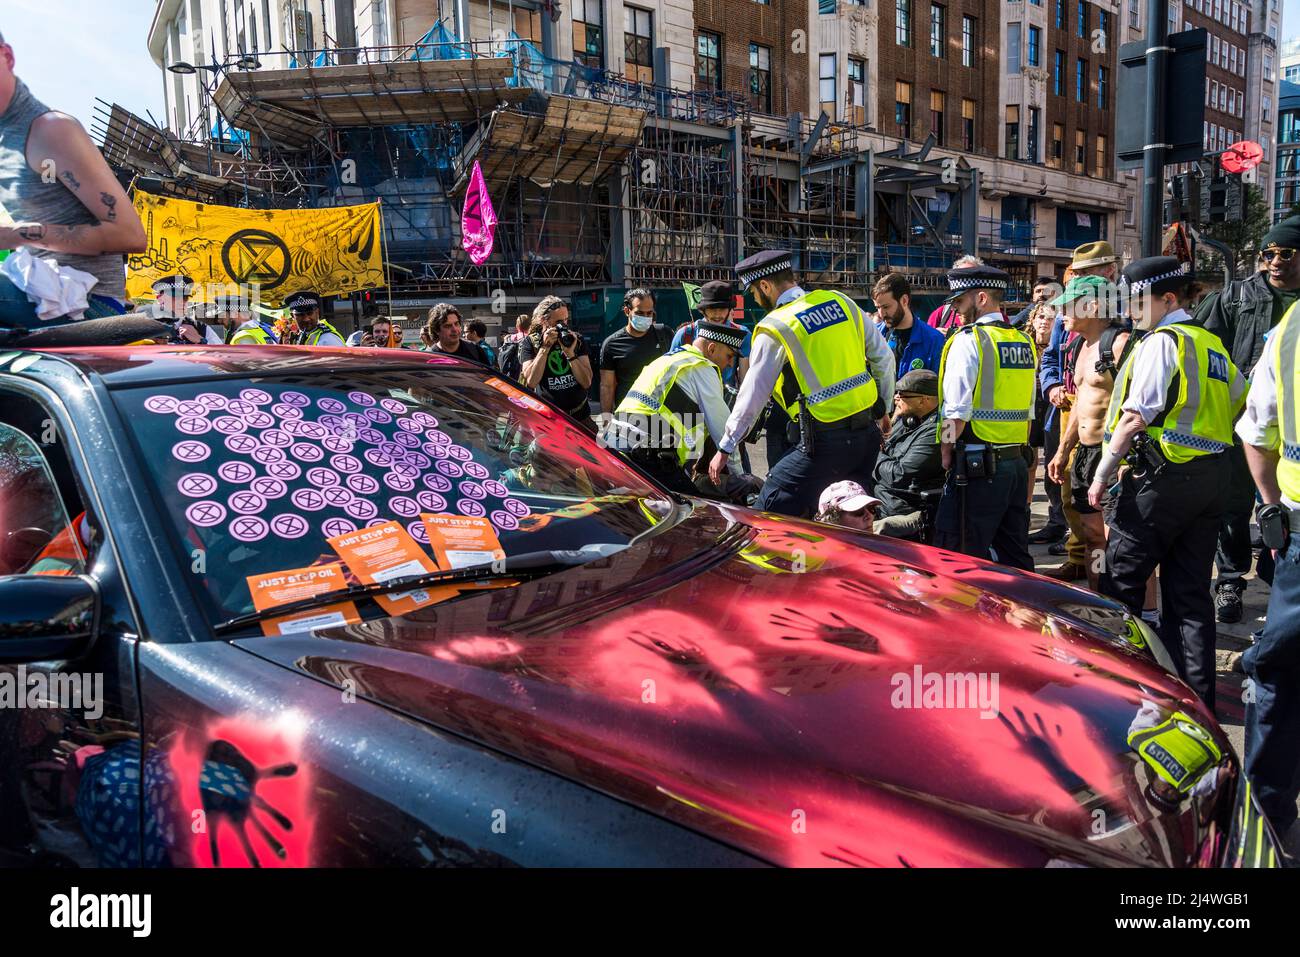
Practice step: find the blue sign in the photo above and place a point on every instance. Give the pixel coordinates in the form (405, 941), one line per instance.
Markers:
(821, 316)
(1015, 355)
(1218, 367)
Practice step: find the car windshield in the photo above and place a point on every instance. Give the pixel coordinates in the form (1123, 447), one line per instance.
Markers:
(253, 475)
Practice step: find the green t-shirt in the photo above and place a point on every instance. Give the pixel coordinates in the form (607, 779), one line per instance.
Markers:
(1282, 300)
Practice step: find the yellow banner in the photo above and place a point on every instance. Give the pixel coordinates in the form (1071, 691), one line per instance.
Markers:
(280, 251)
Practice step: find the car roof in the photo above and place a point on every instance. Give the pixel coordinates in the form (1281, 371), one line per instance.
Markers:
(124, 366)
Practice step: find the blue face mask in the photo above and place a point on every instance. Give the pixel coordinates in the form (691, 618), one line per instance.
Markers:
(641, 323)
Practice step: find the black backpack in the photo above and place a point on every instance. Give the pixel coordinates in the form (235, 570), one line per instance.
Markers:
(1106, 359)
(508, 360)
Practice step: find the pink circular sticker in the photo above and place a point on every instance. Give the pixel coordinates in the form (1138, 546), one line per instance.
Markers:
(196, 485)
(193, 425)
(390, 448)
(294, 398)
(436, 482)
(376, 457)
(361, 508)
(240, 407)
(467, 506)
(191, 408)
(277, 438)
(285, 471)
(229, 424)
(404, 505)
(348, 464)
(256, 396)
(336, 496)
(364, 399)
(336, 444)
(237, 472)
(378, 416)
(268, 487)
(418, 532)
(248, 528)
(283, 410)
(399, 483)
(292, 426)
(449, 468)
(515, 507)
(265, 454)
(162, 404)
(211, 400)
(205, 514)
(435, 450)
(405, 469)
(304, 452)
(472, 490)
(357, 419)
(322, 477)
(408, 425)
(496, 488)
(438, 438)
(504, 520)
(259, 419)
(418, 459)
(459, 452)
(289, 525)
(370, 436)
(407, 440)
(334, 527)
(363, 484)
(190, 451)
(330, 405)
(393, 406)
(425, 419)
(246, 502)
(313, 430)
(308, 499)
(242, 444)
(476, 470)
(431, 502)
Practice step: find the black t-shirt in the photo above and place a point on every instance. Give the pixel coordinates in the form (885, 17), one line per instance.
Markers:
(468, 350)
(1282, 300)
(558, 383)
(626, 355)
(898, 340)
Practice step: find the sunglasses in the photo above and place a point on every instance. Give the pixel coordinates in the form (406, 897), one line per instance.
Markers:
(1280, 254)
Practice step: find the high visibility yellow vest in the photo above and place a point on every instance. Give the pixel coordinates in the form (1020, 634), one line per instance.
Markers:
(649, 395)
(313, 338)
(1178, 750)
(1210, 394)
(1285, 371)
(824, 338)
(1005, 383)
(252, 336)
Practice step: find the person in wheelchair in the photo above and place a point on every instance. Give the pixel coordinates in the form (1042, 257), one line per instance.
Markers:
(909, 474)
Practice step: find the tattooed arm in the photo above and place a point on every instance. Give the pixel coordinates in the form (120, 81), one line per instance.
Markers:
(58, 146)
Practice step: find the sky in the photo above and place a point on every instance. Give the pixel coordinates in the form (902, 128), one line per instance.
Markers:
(71, 51)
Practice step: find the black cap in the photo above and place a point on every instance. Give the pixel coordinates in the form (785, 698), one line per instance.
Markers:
(179, 279)
(919, 382)
(761, 265)
(976, 277)
(304, 300)
(724, 332)
(1157, 274)
(717, 293)
(1285, 233)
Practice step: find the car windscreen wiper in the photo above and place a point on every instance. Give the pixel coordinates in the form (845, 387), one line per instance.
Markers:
(521, 566)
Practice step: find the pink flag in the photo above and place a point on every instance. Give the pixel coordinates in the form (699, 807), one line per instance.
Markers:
(478, 221)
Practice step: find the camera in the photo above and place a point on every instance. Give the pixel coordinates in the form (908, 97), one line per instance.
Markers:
(566, 335)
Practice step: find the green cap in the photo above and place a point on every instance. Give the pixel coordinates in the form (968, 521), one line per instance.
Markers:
(1080, 286)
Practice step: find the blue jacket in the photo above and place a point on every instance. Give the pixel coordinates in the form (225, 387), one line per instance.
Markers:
(924, 348)
(1050, 371)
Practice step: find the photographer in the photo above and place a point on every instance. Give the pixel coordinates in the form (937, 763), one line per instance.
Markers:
(556, 362)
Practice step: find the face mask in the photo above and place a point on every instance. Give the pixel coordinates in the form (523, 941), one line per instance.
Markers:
(641, 323)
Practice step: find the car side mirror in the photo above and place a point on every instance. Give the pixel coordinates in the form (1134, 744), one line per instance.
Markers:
(46, 617)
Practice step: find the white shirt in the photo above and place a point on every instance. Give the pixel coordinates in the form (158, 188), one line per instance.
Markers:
(767, 359)
(1154, 365)
(1258, 423)
(960, 368)
(328, 339)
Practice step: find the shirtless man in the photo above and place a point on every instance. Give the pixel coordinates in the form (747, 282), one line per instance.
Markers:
(1089, 304)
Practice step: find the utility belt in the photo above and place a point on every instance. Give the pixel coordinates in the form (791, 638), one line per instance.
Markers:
(1277, 524)
(858, 420)
(981, 460)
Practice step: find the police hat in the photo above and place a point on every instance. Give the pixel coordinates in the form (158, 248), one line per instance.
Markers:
(1157, 274)
(769, 262)
(302, 301)
(728, 335)
(179, 280)
(715, 294)
(976, 277)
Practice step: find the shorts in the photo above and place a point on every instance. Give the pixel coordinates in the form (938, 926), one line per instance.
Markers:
(1083, 469)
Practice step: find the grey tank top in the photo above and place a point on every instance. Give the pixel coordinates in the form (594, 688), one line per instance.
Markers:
(26, 197)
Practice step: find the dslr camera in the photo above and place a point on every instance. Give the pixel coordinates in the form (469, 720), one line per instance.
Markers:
(566, 335)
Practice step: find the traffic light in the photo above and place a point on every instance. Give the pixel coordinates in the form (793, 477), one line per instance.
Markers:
(1222, 195)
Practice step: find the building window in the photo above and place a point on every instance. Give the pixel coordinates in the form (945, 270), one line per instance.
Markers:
(903, 22)
(1080, 152)
(1081, 80)
(903, 108)
(1101, 87)
(1035, 37)
(1058, 73)
(938, 30)
(1133, 13)
(937, 99)
(968, 125)
(638, 45)
(1099, 163)
(1268, 66)
(1130, 210)
(1082, 21)
(826, 7)
(1058, 146)
(1031, 143)
(528, 24)
(1060, 14)
(826, 84)
(708, 62)
(857, 92)
(1013, 48)
(967, 41)
(588, 34)
(1013, 131)
(760, 77)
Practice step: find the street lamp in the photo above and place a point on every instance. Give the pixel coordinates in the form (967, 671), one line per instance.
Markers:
(182, 68)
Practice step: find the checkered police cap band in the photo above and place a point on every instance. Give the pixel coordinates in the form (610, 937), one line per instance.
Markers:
(733, 340)
(961, 284)
(751, 276)
(1138, 285)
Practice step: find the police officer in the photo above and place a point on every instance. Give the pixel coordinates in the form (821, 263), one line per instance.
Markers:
(825, 363)
(986, 385)
(243, 327)
(648, 423)
(1270, 429)
(314, 331)
(1171, 413)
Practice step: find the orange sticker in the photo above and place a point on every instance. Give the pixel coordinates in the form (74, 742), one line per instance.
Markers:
(295, 584)
(510, 391)
(460, 541)
(381, 553)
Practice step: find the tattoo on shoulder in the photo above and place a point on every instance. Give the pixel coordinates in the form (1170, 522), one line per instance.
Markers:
(109, 203)
(71, 179)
